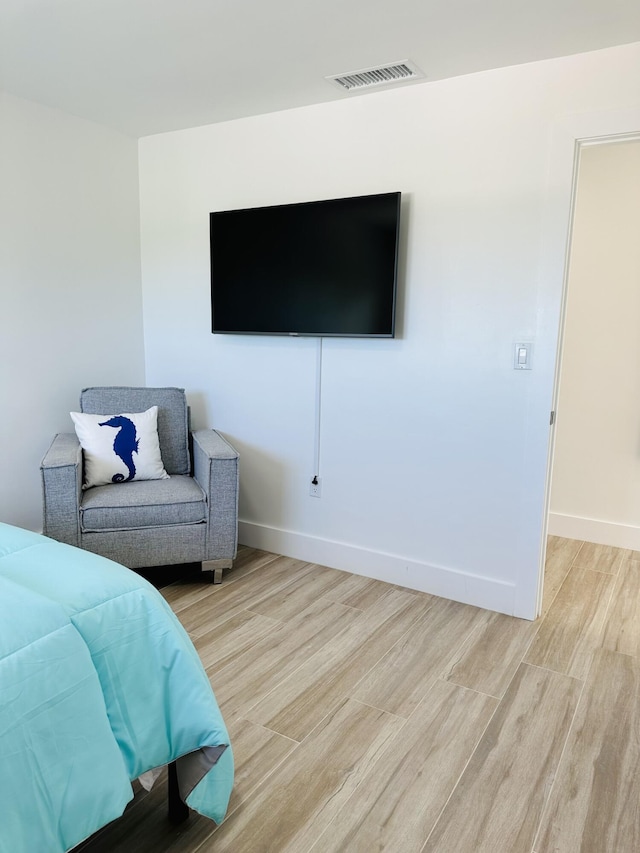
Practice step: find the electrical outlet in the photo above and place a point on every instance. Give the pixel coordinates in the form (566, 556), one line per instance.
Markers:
(314, 488)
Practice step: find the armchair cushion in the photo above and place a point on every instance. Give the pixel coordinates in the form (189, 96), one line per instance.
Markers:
(135, 505)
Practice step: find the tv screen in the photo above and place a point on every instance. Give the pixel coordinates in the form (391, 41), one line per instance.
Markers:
(324, 268)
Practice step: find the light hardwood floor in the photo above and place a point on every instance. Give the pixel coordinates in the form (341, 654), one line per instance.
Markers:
(366, 717)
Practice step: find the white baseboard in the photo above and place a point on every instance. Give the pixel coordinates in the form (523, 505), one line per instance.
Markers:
(593, 530)
(465, 587)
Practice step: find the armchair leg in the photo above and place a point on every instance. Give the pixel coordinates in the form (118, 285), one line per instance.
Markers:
(215, 568)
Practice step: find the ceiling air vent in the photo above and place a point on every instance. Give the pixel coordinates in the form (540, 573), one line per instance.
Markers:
(386, 75)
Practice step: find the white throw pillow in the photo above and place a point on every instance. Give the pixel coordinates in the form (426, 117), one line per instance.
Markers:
(119, 448)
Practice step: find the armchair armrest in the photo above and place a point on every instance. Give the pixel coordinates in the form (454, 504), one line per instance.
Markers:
(61, 471)
(215, 468)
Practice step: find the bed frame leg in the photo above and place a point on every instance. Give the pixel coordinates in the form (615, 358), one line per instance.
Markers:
(178, 811)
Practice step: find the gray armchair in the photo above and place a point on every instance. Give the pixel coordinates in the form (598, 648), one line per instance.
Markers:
(190, 517)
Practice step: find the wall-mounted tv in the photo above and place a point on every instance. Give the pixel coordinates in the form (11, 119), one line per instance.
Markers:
(323, 268)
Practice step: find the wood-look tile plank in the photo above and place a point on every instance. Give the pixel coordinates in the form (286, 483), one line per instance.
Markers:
(228, 639)
(257, 752)
(226, 600)
(489, 658)
(397, 803)
(572, 629)
(261, 667)
(359, 591)
(561, 552)
(182, 594)
(287, 601)
(325, 678)
(622, 628)
(402, 677)
(248, 560)
(289, 810)
(558, 561)
(600, 558)
(595, 802)
(498, 801)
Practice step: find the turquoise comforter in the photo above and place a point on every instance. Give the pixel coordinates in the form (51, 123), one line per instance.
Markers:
(99, 683)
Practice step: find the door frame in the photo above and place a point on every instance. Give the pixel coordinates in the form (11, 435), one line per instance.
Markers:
(569, 138)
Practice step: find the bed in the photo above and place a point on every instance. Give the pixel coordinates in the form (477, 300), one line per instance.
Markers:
(99, 685)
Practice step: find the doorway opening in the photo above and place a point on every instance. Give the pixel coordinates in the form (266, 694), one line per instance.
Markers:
(593, 477)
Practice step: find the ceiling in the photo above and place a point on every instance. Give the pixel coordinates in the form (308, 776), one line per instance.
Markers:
(149, 66)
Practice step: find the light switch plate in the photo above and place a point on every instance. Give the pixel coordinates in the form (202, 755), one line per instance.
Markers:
(522, 355)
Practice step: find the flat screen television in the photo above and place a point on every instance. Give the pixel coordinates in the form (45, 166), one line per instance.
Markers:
(322, 268)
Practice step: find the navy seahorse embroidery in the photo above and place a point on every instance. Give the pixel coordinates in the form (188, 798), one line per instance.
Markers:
(125, 444)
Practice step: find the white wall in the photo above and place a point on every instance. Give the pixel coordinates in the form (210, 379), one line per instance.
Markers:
(434, 449)
(71, 307)
(596, 471)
